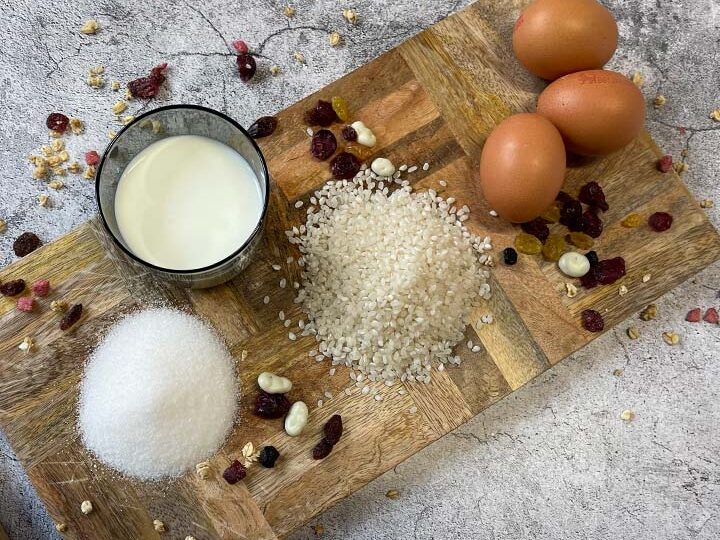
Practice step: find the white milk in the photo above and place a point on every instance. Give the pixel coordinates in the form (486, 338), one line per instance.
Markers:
(187, 202)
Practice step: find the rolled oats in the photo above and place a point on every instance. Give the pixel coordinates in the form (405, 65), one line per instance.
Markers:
(91, 26)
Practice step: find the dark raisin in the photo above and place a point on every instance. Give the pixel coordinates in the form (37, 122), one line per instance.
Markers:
(538, 228)
(57, 122)
(592, 321)
(660, 221)
(322, 449)
(509, 256)
(592, 257)
(322, 114)
(571, 214)
(26, 243)
(323, 144)
(333, 429)
(263, 126)
(593, 195)
(345, 165)
(349, 134)
(71, 317)
(268, 456)
(665, 163)
(148, 87)
(271, 405)
(246, 66)
(234, 473)
(563, 197)
(591, 224)
(12, 288)
(604, 273)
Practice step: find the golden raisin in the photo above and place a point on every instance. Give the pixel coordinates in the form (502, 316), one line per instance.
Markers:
(552, 214)
(554, 247)
(340, 107)
(631, 221)
(361, 152)
(528, 244)
(580, 240)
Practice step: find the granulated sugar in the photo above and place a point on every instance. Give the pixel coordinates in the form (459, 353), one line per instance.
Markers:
(158, 395)
(389, 279)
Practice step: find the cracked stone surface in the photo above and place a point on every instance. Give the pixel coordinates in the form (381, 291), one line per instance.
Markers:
(554, 460)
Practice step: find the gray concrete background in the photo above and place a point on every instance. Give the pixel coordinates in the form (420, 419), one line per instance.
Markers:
(552, 461)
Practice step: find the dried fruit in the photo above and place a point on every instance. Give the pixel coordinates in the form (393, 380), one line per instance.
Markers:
(268, 456)
(148, 87)
(592, 194)
(234, 473)
(92, 157)
(12, 288)
(322, 449)
(57, 122)
(649, 313)
(631, 221)
(510, 256)
(665, 164)
(323, 114)
(592, 257)
(271, 406)
(246, 66)
(660, 221)
(71, 317)
(711, 316)
(554, 247)
(345, 165)
(580, 240)
(26, 303)
(26, 243)
(263, 127)
(571, 214)
(363, 153)
(349, 133)
(693, 315)
(592, 321)
(528, 244)
(537, 227)
(333, 429)
(323, 144)
(240, 46)
(591, 224)
(340, 107)
(604, 272)
(552, 214)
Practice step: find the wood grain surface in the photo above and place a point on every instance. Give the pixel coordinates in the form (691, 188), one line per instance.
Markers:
(433, 99)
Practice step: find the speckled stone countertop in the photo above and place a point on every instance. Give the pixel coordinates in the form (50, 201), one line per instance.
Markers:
(554, 460)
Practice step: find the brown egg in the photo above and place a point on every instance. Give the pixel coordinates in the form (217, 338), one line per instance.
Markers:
(522, 167)
(597, 112)
(555, 37)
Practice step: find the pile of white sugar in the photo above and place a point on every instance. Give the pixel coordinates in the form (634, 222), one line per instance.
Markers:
(389, 277)
(158, 395)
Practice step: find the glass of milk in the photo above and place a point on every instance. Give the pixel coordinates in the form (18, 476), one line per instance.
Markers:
(183, 191)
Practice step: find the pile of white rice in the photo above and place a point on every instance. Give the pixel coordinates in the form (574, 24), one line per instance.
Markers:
(390, 278)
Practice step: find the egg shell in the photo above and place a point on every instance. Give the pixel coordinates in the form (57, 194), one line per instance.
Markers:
(597, 112)
(522, 167)
(555, 37)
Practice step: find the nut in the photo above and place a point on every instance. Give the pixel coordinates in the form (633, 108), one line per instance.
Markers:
(571, 290)
(90, 26)
(86, 507)
(649, 313)
(633, 332)
(335, 39)
(159, 526)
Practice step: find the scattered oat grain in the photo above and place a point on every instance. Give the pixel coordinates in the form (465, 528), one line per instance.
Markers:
(649, 313)
(627, 415)
(715, 115)
(680, 167)
(86, 507)
(58, 306)
(76, 126)
(159, 526)
(40, 172)
(646, 278)
(289, 11)
(300, 57)
(111, 134)
(707, 203)
(618, 372)
(43, 200)
(91, 26)
(204, 470)
(119, 107)
(127, 119)
(350, 15)
(393, 494)
(638, 79)
(335, 39)
(27, 344)
(318, 529)
(56, 184)
(623, 290)
(671, 338)
(89, 173)
(659, 101)
(60, 527)
(571, 290)
(633, 332)
(3, 225)
(275, 70)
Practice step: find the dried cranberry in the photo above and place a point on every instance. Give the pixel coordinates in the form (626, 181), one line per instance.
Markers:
(322, 114)
(604, 273)
(57, 122)
(591, 224)
(262, 127)
(571, 214)
(660, 221)
(592, 321)
(246, 66)
(333, 429)
(71, 316)
(240, 46)
(344, 165)
(323, 144)
(349, 134)
(510, 256)
(271, 405)
(12, 288)
(41, 287)
(538, 228)
(268, 456)
(693, 315)
(92, 157)
(711, 316)
(26, 243)
(148, 87)
(322, 449)
(665, 163)
(593, 195)
(234, 473)
(592, 257)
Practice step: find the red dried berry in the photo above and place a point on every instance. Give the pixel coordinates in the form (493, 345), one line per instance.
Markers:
(12, 288)
(322, 449)
(322, 114)
(246, 66)
(92, 157)
(345, 165)
(592, 194)
(604, 273)
(71, 317)
(333, 429)
(271, 406)
(41, 287)
(148, 87)
(592, 321)
(693, 315)
(235, 472)
(240, 46)
(262, 127)
(349, 134)
(26, 243)
(538, 228)
(26, 303)
(711, 316)
(57, 122)
(591, 224)
(660, 221)
(571, 214)
(323, 144)
(665, 163)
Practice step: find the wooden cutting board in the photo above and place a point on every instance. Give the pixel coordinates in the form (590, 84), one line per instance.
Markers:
(433, 99)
